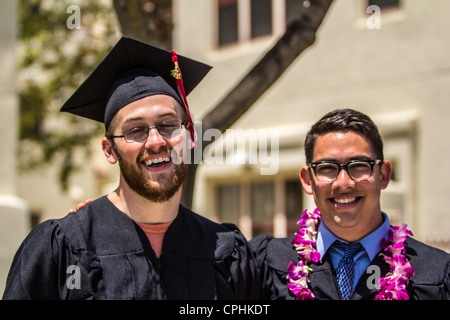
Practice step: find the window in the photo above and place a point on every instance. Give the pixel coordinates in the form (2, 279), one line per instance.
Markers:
(228, 22)
(243, 20)
(294, 205)
(35, 218)
(293, 8)
(228, 202)
(261, 18)
(394, 168)
(371, 14)
(384, 4)
(255, 206)
(262, 207)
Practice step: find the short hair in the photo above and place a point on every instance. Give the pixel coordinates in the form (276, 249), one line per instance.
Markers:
(344, 120)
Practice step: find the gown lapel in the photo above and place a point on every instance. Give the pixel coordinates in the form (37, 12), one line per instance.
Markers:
(324, 284)
(367, 287)
(323, 280)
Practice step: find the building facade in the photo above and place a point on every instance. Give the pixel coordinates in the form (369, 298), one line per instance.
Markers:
(391, 64)
(388, 59)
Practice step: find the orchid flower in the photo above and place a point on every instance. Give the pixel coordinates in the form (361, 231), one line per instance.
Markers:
(392, 287)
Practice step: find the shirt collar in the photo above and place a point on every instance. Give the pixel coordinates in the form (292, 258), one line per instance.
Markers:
(371, 242)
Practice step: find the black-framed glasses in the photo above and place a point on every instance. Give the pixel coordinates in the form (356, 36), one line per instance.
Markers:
(167, 129)
(358, 170)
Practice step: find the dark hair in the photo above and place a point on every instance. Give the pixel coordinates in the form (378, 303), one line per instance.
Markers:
(344, 120)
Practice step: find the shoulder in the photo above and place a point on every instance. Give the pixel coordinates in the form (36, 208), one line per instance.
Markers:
(42, 237)
(272, 256)
(419, 249)
(198, 221)
(276, 253)
(65, 229)
(266, 242)
(431, 265)
(74, 226)
(97, 210)
(204, 226)
(222, 239)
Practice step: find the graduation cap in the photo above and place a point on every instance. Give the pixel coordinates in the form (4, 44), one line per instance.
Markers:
(133, 70)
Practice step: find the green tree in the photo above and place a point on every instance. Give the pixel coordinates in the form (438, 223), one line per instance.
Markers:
(53, 60)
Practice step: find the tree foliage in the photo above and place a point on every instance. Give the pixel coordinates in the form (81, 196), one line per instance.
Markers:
(53, 61)
(147, 20)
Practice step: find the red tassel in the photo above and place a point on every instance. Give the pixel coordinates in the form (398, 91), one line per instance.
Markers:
(176, 73)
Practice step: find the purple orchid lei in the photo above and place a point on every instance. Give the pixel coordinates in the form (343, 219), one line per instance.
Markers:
(305, 244)
(392, 286)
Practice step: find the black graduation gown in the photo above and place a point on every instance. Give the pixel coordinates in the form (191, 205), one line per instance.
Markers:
(200, 259)
(430, 282)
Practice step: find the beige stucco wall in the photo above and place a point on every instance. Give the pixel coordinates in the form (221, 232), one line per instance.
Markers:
(398, 74)
(14, 222)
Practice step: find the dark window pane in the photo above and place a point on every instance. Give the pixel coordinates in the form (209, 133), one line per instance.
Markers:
(261, 18)
(293, 199)
(228, 25)
(228, 202)
(384, 4)
(294, 204)
(293, 8)
(262, 204)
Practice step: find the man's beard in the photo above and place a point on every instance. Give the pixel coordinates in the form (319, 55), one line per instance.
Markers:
(157, 187)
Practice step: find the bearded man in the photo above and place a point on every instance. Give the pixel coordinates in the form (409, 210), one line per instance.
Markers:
(138, 242)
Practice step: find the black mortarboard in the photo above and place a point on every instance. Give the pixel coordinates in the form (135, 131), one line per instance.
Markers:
(133, 70)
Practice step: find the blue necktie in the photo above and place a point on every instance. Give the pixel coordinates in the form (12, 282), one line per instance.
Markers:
(345, 269)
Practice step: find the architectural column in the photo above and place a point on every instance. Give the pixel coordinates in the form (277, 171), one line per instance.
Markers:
(14, 219)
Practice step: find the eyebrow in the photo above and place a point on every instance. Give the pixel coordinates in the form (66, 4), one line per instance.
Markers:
(167, 114)
(358, 157)
(133, 119)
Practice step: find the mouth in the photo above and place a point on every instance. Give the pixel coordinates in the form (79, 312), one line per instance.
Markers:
(345, 201)
(157, 163)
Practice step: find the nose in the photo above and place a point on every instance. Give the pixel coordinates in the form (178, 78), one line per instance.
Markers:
(343, 181)
(154, 139)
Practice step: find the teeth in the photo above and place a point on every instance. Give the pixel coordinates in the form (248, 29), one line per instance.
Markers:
(345, 200)
(157, 160)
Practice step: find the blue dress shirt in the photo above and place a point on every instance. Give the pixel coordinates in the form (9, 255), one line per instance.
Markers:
(371, 244)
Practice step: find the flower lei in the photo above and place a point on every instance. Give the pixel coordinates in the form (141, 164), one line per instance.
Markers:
(392, 286)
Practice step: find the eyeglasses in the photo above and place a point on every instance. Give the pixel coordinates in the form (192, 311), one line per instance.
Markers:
(358, 170)
(166, 130)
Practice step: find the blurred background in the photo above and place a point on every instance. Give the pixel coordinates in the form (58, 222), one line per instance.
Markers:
(389, 59)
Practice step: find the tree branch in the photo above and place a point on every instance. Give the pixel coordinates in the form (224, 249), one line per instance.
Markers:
(300, 34)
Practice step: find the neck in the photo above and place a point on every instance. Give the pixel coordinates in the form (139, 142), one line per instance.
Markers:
(354, 233)
(143, 210)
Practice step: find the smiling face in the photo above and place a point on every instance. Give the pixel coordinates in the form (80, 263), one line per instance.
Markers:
(146, 166)
(349, 209)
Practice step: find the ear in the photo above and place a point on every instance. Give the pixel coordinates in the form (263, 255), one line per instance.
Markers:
(109, 151)
(385, 174)
(305, 179)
